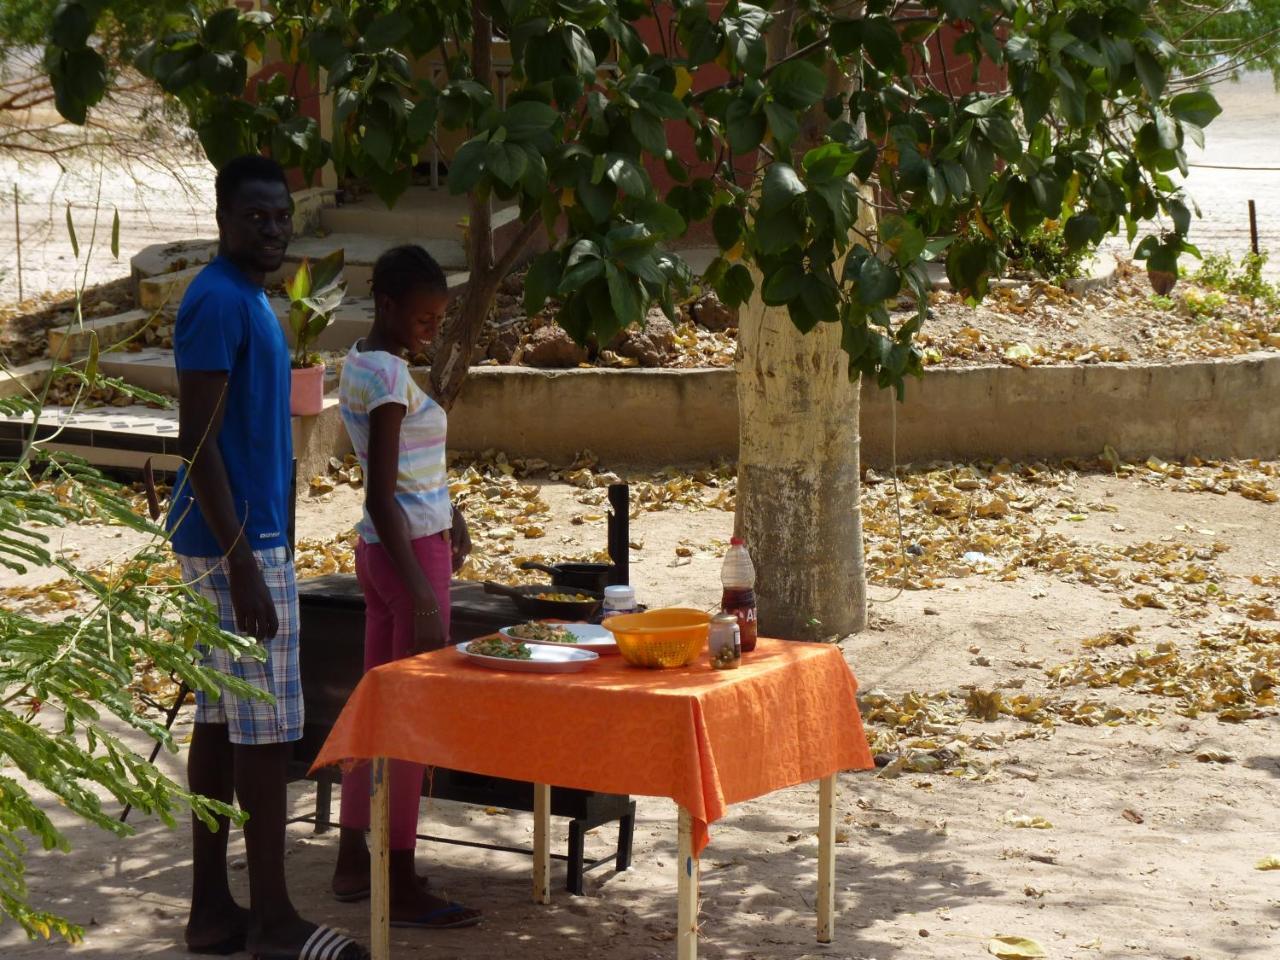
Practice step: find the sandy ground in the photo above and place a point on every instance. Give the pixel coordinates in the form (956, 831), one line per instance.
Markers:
(928, 864)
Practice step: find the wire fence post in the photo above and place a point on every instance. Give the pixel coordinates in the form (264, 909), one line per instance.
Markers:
(1253, 227)
(17, 239)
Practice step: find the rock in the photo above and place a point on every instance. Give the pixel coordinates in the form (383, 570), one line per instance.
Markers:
(549, 347)
(710, 313)
(513, 284)
(651, 344)
(504, 340)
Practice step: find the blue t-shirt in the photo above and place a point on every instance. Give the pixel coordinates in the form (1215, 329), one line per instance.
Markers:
(226, 323)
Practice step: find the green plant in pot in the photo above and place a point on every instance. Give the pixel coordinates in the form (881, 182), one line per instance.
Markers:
(315, 292)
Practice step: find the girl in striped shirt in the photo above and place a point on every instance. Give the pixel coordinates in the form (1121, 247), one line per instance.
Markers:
(411, 541)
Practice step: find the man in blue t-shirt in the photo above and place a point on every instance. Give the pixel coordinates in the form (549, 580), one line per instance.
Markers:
(228, 524)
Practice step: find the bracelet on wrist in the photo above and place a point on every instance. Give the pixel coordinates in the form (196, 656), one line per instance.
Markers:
(427, 613)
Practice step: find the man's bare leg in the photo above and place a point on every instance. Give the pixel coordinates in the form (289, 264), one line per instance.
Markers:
(217, 924)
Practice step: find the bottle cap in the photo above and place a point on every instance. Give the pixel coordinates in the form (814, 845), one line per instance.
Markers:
(619, 590)
(736, 541)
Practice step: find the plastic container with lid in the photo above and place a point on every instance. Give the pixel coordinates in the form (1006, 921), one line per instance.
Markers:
(619, 598)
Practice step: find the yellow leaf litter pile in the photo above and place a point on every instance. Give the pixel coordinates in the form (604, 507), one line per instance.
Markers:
(998, 521)
(1037, 323)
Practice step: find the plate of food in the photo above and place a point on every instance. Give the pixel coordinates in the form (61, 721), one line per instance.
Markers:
(584, 636)
(502, 653)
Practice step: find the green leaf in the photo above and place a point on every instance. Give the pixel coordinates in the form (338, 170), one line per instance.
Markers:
(1002, 135)
(91, 365)
(387, 30)
(663, 221)
(903, 239)
(505, 162)
(781, 187)
(782, 285)
(1198, 107)
(1150, 72)
(79, 79)
(327, 270)
(529, 118)
(623, 295)
(468, 165)
(299, 285)
(776, 232)
(629, 177)
(580, 52)
(783, 125)
(820, 297)
(579, 275)
(597, 198)
(846, 36)
(726, 226)
(735, 288)
(877, 281)
(969, 268)
(377, 145)
(1081, 230)
(649, 132)
(71, 234)
(744, 127)
(882, 43)
(422, 120)
(797, 84)
(541, 279)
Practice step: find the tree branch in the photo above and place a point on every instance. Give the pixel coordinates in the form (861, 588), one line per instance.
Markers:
(509, 256)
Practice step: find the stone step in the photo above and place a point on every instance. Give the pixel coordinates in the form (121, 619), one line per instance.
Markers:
(153, 368)
(421, 212)
(24, 380)
(164, 291)
(72, 341)
(362, 250)
(126, 437)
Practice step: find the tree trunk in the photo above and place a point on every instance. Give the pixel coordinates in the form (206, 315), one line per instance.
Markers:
(798, 476)
(799, 506)
(458, 338)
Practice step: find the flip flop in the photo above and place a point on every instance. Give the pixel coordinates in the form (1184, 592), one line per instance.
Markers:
(325, 943)
(438, 919)
(355, 896)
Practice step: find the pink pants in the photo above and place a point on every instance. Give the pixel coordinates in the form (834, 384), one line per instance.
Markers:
(388, 635)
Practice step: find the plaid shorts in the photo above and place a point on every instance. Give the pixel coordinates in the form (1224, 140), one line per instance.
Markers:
(254, 721)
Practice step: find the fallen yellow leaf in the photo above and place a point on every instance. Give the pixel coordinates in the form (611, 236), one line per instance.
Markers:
(1015, 948)
(1268, 863)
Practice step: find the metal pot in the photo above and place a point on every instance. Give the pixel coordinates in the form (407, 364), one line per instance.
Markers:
(577, 576)
(531, 605)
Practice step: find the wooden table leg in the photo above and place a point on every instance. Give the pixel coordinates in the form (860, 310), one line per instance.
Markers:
(379, 860)
(826, 858)
(541, 843)
(686, 892)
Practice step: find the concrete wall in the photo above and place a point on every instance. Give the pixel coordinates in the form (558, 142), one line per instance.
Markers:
(639, 416)
(1225, 408)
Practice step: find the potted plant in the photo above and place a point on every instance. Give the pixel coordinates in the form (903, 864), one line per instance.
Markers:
(315, 292)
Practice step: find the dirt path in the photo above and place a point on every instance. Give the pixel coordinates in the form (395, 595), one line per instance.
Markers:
(1151, 853)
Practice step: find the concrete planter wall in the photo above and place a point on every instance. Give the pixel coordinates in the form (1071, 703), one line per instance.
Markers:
(1220, 408)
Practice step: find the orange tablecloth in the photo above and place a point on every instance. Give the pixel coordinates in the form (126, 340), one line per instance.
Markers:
(705, 738)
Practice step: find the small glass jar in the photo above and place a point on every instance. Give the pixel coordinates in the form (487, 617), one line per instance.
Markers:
(724, 642)
(619, 598)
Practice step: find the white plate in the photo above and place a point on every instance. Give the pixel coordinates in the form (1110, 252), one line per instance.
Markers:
(591, 636)
(545, 658)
